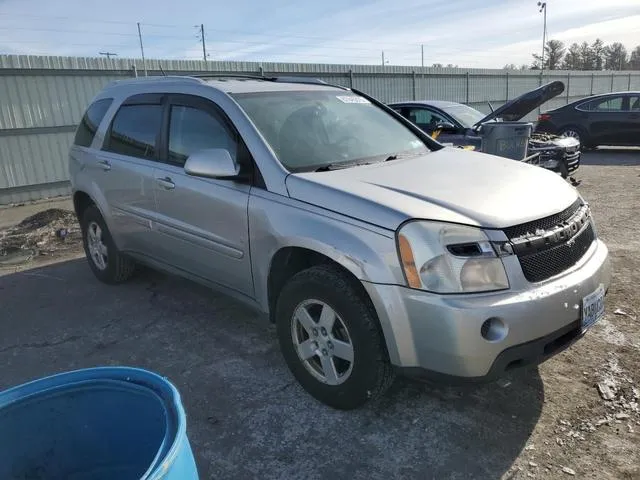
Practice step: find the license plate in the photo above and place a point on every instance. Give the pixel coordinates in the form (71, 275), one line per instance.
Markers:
(592, 307)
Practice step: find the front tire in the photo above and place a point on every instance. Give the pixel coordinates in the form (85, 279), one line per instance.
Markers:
(106, 262)
(331, 339)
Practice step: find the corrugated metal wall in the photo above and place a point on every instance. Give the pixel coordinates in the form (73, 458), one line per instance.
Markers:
(42, 100)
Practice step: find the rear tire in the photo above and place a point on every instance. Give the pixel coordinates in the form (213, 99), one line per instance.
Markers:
(305, 307)
(106, 262)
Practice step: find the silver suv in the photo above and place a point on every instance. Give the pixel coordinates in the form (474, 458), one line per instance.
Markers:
(372, 247)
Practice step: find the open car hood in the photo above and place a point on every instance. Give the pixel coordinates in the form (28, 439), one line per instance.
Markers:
(515, 109)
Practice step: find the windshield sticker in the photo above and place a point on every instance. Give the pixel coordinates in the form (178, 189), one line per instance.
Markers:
(352, 99)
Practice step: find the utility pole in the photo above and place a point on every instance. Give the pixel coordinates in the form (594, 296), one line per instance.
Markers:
(422, 52)
(108, 54)
(144, 64)
(383, 58)
(204, 48)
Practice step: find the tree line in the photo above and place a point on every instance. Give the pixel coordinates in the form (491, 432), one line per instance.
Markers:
(583, 56)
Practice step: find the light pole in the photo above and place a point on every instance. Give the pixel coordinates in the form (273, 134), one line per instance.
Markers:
(543, 9)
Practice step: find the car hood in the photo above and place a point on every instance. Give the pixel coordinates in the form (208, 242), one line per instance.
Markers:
(515, 109)
(449, 185)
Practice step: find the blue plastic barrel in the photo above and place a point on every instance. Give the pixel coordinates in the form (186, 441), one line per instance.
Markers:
(99, 423)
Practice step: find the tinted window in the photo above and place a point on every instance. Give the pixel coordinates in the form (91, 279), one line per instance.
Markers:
(609, 104)
(134, 130)
(91, 121)
(192, 129)
(634, 102)
(315, 128)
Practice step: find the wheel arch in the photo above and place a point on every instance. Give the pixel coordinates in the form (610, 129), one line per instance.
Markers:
(84, 198)
(289, 260)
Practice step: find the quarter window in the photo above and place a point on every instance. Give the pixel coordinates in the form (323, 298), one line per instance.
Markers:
(134, 131)
(192, 129)
(91, 121)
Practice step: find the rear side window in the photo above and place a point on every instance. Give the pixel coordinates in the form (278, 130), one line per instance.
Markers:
(608, 104)
(134, 131)
(91, 121)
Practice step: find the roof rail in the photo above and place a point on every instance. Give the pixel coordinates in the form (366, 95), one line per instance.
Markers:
(283, 79)
(230, 75)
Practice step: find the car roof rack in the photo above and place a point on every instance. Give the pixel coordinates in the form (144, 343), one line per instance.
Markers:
(283, 79)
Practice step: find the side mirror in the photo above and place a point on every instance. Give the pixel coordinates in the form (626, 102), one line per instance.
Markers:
(445, 126)
(212, 163)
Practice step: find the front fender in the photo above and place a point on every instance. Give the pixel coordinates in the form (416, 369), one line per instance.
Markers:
(277, 222)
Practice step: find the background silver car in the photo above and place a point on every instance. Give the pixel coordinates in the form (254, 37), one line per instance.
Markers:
(372, 247)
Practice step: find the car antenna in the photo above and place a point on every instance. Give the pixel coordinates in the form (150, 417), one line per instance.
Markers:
(491, 107)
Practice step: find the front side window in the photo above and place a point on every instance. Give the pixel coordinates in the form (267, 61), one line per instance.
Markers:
(134, 131)
(192, 129)
(311, 129)
(423, 117)
(91, 121)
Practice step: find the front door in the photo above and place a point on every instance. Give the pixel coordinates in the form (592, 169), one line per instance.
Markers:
(202, 223)
(633, 133)
(608, 119)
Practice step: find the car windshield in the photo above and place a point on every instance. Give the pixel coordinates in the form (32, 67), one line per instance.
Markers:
(318, 128)
(465, 115)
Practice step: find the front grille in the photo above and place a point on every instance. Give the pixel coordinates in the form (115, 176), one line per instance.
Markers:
(545, 264)
(530, 228)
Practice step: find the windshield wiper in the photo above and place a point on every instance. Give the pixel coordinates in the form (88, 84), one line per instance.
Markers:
(339, 166)
(396, 156)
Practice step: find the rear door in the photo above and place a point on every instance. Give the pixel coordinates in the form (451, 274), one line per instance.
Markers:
(202, 223)
(124, 171)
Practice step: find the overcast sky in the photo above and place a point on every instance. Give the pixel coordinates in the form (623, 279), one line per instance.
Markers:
(472, 33)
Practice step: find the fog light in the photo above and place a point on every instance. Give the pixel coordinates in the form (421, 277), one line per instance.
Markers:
(493, 330)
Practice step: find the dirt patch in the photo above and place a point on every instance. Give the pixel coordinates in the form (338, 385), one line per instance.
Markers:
(51, 232)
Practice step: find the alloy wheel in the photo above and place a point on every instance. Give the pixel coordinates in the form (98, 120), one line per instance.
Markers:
(95, 243)
(322, 342)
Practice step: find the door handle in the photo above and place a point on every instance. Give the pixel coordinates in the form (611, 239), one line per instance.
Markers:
(166, 183)
(634, 115)
(105, 165)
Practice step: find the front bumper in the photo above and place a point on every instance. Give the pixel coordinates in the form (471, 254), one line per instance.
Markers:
(440, 335)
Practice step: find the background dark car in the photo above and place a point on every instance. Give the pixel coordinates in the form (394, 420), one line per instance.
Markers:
(609, 119)
(460, 125)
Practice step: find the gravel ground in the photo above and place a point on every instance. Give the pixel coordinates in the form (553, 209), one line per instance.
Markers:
(248, 418)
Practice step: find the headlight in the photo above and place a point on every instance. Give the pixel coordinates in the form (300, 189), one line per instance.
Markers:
(448, 258)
